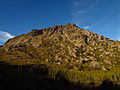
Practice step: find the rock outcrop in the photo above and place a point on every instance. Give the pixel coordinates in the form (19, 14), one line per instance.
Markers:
(64, 44)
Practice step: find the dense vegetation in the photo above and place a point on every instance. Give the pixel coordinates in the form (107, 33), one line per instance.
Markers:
(46, 76)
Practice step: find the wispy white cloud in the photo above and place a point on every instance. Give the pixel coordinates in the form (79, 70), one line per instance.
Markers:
(89, 26)
(77, 7)
(81, 8)
(4, 36)
(86, 27)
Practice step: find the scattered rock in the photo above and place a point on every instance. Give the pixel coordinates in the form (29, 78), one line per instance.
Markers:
(107, 62)
(104, 69)
(58, 63)
(95, 65)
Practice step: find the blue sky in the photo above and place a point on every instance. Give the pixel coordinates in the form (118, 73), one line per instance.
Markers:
(21, 16)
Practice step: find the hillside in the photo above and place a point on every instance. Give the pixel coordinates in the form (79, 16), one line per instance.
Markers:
(65, 44)
(63, 57)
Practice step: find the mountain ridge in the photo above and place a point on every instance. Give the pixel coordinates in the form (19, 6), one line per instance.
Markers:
(65, 44)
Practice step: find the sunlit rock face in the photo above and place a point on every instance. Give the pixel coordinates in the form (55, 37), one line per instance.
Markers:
(65, 44)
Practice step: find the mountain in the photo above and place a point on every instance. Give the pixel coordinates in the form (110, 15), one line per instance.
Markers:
(67, 45)
(63, 57)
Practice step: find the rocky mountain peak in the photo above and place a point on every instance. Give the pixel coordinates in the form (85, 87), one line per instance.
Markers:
(64, 44)
(55, 28)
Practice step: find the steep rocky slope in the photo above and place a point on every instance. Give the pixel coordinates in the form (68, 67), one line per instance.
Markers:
(66, 44)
